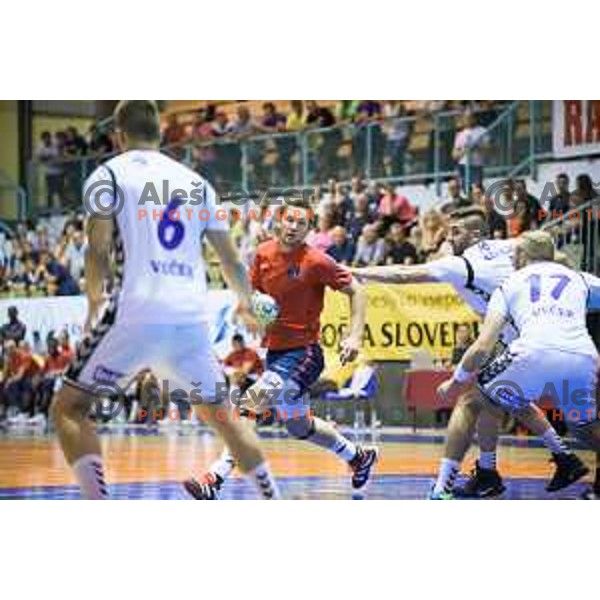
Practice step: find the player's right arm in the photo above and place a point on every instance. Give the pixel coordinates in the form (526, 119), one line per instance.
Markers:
(449, 269)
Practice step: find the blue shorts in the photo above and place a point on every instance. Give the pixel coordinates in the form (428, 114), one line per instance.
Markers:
(300, 365)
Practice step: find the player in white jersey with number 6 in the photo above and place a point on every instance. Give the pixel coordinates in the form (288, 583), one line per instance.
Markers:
(553, 356)
(155, 316)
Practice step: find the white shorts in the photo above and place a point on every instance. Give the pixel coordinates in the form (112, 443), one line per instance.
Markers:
(520, 376)
(179, 356)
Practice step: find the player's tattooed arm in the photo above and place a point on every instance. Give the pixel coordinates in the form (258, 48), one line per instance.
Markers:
(394, 274)
(97, 262)
(358, 309)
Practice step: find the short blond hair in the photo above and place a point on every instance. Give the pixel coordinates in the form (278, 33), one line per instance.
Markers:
(537, 245)
(563, 259)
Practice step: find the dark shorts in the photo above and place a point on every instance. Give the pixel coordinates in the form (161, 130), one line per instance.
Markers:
(301, 365)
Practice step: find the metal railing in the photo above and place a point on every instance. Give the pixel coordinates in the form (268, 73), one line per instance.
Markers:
(13, 194)
(399, 150)
(577, 234)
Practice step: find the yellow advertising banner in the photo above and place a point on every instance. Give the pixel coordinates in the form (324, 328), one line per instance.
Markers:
(401, 320)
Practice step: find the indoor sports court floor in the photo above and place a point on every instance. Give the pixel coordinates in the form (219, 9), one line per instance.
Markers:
(150, 464)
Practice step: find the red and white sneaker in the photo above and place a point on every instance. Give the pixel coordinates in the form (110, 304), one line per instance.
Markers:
(361, 466)
(207, 488)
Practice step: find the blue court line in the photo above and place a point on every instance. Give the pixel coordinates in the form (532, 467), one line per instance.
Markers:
(383, 487)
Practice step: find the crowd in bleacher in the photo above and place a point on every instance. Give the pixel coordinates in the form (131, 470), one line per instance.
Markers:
(362, 223)
(29, 372)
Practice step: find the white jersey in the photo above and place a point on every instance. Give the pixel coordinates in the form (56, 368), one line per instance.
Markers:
(477, 273)
(548, 303)
(159, 256)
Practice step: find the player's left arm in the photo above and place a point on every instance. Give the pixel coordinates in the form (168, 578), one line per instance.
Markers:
(358, 310)
(97, 263)
(339, 278)
(480, 351)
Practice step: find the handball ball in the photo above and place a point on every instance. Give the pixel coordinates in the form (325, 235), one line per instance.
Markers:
(265, 308)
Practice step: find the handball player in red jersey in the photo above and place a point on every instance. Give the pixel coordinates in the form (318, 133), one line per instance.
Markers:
(296, 276)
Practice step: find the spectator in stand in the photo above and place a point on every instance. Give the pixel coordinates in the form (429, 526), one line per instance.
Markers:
(370, 108)
(397, 130)
(496, 224)
(318, 116)
(342, 206)
(394, 208)
(244, 125)
(55, 363)
(320, 238)
(221, 125)
(585, 188)
(370, 250)
(271, 120)
(373, 195)
(523, 218)
(55, 278)
(296, 119)
(345, 111)
(203, 131)
(470, 146)
(74, 256)
(38, 347)
(100, 142)
(242, 365)
(20, 374)
(324, 145)
(362, 216)
(342, 249)
(74, 147)
(559, 204)
(228, 156)
(433, 228)
(455, 199)
(174, 132)
(15, 329)
(399, 250)
(64, 341)
(75, 144)
(532, 203)
(48, 154)
(357, 187)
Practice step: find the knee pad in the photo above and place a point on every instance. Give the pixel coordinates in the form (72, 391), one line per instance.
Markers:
(283, 395)
(300, 428)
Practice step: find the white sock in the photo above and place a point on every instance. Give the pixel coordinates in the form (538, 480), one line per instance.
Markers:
(447, 475)
(90, 477)
(343, 447)
(224, 465)
(265, 482)
(487, 460)
(553, 442)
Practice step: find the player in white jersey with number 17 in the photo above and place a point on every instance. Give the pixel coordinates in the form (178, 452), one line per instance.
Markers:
(476, 269)
(155, 318)
(554, 355)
